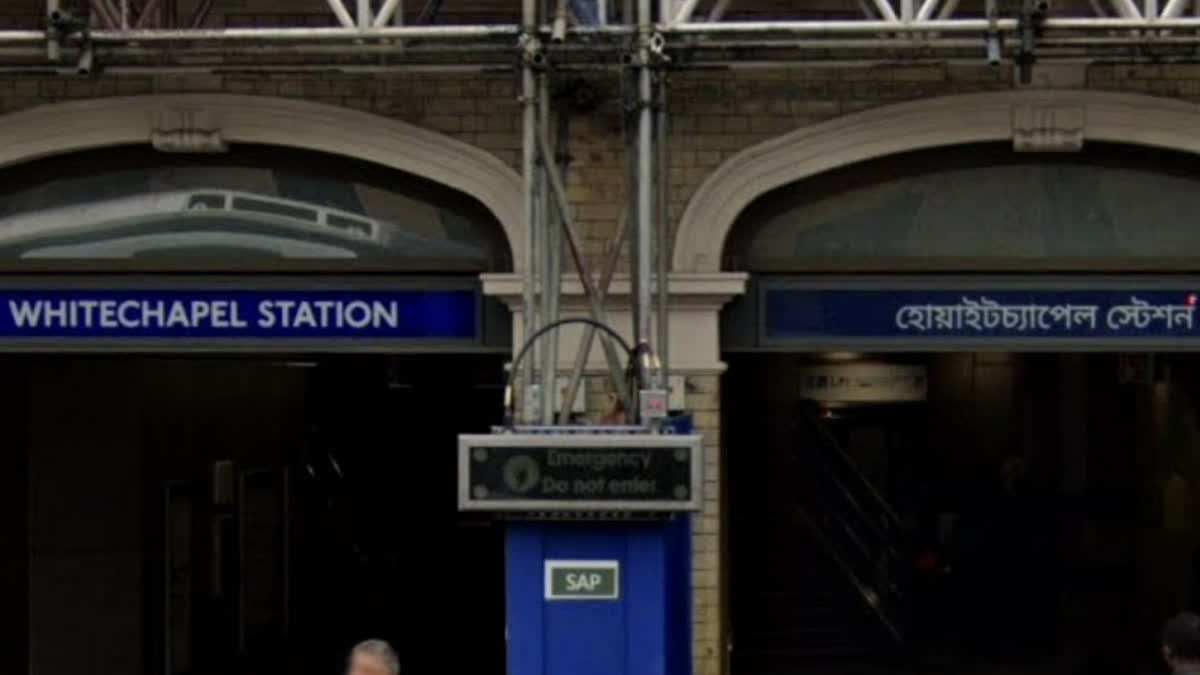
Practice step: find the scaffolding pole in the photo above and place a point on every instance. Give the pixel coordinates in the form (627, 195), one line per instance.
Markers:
(931, 35)
(591, 293)
(554, 242)
(548, 274)
(644, 174)
(927, 27)
(53, 48)
(662, 244)
(470, 32)
(589, 331)
(530, 49)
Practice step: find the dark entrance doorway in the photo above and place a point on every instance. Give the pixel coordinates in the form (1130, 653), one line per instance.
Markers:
(253, 515)
(1032, 514)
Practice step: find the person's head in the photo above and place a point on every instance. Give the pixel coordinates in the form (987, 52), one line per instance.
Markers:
(373, 657)
(1181, 641)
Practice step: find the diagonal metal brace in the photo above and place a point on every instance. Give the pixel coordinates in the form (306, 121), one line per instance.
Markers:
(589, 331)
(595, 303)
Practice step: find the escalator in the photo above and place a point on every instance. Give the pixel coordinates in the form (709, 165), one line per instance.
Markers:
(827, 594)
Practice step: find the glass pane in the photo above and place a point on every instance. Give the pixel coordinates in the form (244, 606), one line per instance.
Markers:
(237, 208)
(1025, 210)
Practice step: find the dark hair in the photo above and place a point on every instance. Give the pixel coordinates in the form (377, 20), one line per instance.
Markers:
(1181, 635)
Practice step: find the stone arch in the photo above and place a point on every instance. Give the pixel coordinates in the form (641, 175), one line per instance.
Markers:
(1045, 120)
(207, 122)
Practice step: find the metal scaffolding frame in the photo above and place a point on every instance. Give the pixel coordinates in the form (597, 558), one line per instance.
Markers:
(133, 32)
(654, 39)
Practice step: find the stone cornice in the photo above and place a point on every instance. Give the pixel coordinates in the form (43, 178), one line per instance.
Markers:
(695, 291)
(695, 304)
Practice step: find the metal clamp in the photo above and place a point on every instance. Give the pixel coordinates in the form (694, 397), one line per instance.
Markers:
(657, 46)
(650, 49)
(533, 52)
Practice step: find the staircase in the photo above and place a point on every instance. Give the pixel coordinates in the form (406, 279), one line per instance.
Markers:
(801, 619)
(826, 597)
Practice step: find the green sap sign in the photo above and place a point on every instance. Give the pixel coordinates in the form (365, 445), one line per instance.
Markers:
(582, 580)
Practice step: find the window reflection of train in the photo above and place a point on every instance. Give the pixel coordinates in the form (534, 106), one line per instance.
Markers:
(211, 219)
(207, 202)
(228, 200)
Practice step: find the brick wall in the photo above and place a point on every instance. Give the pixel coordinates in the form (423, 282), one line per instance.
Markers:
(703, 396)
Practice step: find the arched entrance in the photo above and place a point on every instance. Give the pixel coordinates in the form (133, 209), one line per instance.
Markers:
(233, 354)
(206, 123)
(1052, 120)
(959, 495)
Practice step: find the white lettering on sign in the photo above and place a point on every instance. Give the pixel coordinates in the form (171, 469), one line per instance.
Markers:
(599, 462)
(863, 383)
(216, 314)
(985, 314)
(582, 580)
(327, 313)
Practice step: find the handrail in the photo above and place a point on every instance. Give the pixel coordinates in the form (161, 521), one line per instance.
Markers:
(850, 521)
(832, 442)
(841, 507)
(869, 595)
(885, 553)
(878, 549)
(853, 536)
(858, 507)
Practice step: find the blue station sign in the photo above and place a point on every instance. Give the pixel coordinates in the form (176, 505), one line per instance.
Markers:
(191, 313)
(976, 314)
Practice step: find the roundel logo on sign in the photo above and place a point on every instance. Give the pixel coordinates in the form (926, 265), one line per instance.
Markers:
(521, 474)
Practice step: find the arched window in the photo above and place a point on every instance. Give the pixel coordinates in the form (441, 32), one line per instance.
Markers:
(980, 208)
(255, 208)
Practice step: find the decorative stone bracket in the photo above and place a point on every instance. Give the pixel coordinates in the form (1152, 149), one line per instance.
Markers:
(182, 130)
(1048, 128)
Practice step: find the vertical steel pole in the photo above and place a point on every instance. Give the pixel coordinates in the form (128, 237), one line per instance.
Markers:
(546, 226)
(53, 48)
(554, 241)
(631, 205)
(538, 224)
(528, 169)
(663, 243)
(591, 293)
(645, 140)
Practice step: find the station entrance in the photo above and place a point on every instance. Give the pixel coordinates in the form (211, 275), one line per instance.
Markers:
(959, 419)
(250, 515)
(232, 385)
(1029, 513)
